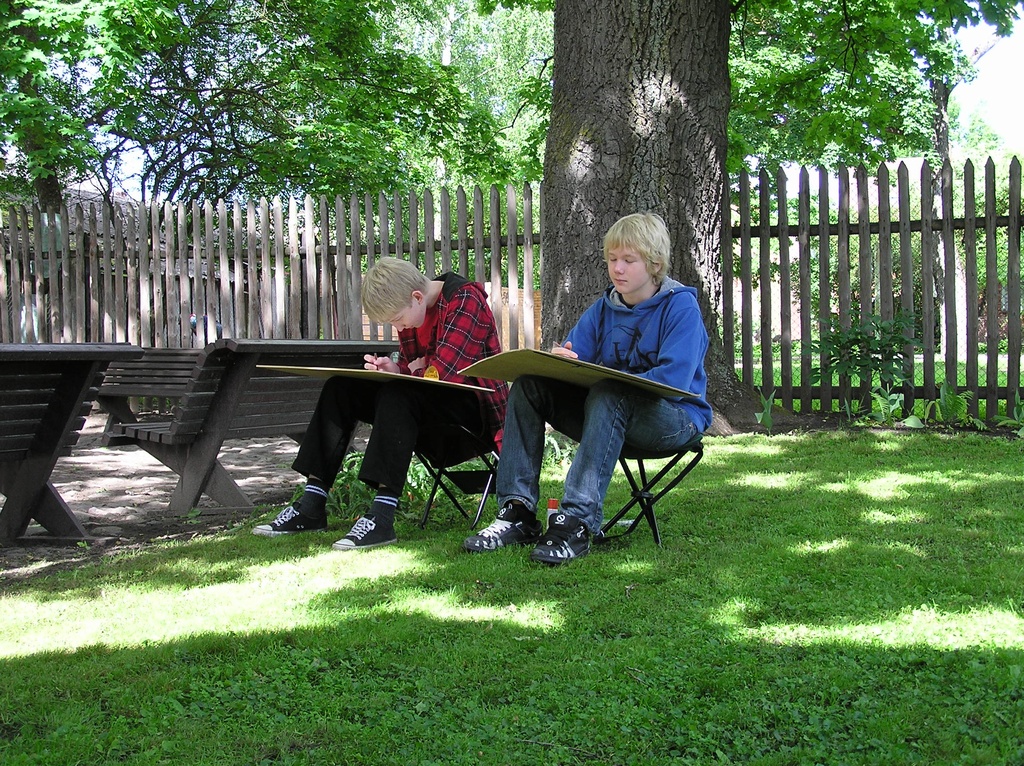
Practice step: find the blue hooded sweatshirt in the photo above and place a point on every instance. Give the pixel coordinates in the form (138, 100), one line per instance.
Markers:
(662, 339)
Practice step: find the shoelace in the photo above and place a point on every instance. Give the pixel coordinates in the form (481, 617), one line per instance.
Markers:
(361, 528)
(286, 515)
(495, 529)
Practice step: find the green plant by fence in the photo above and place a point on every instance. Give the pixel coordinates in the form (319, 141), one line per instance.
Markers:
(945, 253)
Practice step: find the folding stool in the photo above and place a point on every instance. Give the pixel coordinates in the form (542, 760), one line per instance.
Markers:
(442, 451)
(646, 490)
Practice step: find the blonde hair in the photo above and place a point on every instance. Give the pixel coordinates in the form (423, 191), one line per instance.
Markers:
(648, 235)
(388, 287)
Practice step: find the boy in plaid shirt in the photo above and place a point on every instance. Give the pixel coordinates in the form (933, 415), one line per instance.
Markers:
(444, 325)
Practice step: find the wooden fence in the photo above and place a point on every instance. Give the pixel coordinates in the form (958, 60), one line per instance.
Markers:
(874, 246)
(175, 275)
(179, 275)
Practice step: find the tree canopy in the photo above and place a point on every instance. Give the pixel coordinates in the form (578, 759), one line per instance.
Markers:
(219, 98)
(829, 83)
(214, 98)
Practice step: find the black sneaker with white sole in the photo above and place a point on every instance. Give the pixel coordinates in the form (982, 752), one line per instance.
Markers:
(291, 521)
(366, 533)
(513, 526)
(567, 538)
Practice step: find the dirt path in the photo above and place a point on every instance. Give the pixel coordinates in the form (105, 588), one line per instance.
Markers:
(120, 495)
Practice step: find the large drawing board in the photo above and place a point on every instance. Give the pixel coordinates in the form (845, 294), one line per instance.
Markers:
(380, 375)
(509, 365)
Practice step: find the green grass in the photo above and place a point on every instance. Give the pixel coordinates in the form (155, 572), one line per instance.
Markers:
(834, 598)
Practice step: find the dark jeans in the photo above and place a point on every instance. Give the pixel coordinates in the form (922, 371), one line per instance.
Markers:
(398, 412)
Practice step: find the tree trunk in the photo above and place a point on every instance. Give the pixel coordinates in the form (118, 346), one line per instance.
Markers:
(46, 183)
(940, 91)
(638, 123)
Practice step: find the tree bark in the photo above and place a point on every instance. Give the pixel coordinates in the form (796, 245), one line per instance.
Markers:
(940, 93)
(638, 123)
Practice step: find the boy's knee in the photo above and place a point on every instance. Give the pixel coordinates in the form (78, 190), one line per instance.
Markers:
(396, 396)
(528, 387)
(608, 396)
(608, 390)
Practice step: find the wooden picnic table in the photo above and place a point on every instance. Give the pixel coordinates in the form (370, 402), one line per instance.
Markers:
(46, 392)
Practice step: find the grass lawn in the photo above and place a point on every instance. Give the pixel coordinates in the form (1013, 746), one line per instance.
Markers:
(833, 598)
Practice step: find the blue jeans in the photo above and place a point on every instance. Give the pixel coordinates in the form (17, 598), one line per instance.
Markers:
(601, 419)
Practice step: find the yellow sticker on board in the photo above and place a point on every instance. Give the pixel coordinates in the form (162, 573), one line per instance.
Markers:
(431, 373)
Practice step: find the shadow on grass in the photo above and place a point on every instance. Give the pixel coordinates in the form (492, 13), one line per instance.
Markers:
(850, 526)
(834, 598)
(408, 670)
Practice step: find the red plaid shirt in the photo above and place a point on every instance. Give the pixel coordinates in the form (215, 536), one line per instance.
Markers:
(459, 329)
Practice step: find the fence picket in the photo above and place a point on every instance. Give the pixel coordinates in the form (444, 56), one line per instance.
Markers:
(512, 260)
(462, 233)
(280, 299)
(200, 283)
(991, 288)
(531, 320)
(971, 284)
(907, 279)
(843, 269)
(785, 293)
(445, 216)
(172, 281)
(950, 325)
(824, 285)
(238, 312)
(6, 326)
(185, 293)
(293, 329)
(803, 239)
(311, 323)
(764, 330)
(927, 283)
(495, 224)
(206, 313)
(478, 235)
(38, 285)
(728, 312)
(746, 278)
(885, 267)
(326, 282)
(355, 264)
(1013, 328)
(253, 258)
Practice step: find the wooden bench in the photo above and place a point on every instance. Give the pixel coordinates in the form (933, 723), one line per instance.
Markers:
(226, 394)
(149, 385)
(46, 392)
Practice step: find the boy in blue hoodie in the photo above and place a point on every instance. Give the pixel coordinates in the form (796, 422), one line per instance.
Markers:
(645, 323)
